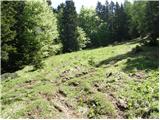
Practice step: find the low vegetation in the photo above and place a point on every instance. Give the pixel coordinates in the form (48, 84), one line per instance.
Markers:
(99, 63)
(118, 81)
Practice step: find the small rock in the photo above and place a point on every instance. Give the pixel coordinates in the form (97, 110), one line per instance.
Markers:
(115, 65)
(96, 85)
(9, 75)
(28, 81)
(62, 93)
(84, 72)
(112, 62)
(99, 89)
(108, 75)
(78, 75)
(122, 104)
(74, 83)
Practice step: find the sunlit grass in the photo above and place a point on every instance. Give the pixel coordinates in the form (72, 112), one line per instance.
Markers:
(82, 78)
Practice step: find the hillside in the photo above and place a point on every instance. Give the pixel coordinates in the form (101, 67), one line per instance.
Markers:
(117, 81)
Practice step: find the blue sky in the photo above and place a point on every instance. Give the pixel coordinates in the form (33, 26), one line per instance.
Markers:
(86, 3)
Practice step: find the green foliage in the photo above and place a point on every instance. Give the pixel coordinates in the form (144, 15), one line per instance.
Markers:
(143, 98)
(137, 17)
(59, 15)
(40, 31)
(152, 21)
(82, 38)
(54, 50)
(143, 18)
(68, 28)
(101, 36)
(124, 82)
(99, 105)
(88, 20)
(133, 32)
(91, 61)
(90, 92)
(8, 33)
(29, 30)
(109, 23)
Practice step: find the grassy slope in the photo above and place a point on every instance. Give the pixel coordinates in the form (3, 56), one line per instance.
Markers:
(110, 82)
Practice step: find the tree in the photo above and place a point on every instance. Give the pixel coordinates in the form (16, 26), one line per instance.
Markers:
(39, 33)
(59, 12)
(82, 38)
(68, 32)
(152, 21)
(101, 35)
(49, 2)
(137, 22)
(8, 33)
(120, 23)
(28, 28)
(132, 30)
(89, 21)
(103, 10)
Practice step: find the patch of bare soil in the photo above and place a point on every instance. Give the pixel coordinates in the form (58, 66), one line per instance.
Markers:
(35, 113)
(138, 75)
(74, 73)
(64, 106)
(61, 104)
(120, 105)
(28, 84)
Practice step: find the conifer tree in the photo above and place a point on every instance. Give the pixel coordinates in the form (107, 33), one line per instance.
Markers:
(68, 32)
(152, 20)
(8, 33)
(28, 30)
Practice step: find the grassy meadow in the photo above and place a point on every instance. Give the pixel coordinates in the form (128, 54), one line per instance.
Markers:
(118, 81)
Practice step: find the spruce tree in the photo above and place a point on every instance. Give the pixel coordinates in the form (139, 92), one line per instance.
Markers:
(152, 21)
(8, 33)
(68, 32)
(39, 33)
(29, 29)
(121, 23)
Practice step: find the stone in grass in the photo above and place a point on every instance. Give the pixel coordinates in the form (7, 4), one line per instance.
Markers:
(62, 93)
(8, 76)
(121, 104)
(96, 85)
(108, 74)
(138, 75)
(74, 83)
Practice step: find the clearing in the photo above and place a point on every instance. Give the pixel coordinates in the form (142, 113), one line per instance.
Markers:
(118, 81)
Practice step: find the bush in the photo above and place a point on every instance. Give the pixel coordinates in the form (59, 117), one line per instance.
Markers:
(53, 50)
(91, 61)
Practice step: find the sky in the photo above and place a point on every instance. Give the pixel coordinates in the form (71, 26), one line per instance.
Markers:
(86, 3)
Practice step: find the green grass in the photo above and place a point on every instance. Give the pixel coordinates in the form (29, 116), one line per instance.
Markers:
(117, 81)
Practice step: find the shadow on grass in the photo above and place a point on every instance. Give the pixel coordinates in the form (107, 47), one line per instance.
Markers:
(140, 63)
(134, 41)
(140, 58)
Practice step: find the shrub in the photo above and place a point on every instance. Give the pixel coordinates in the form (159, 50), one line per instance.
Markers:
(91, 61)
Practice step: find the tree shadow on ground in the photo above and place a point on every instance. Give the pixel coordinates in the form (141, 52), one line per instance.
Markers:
(129, 42)
(140, 58)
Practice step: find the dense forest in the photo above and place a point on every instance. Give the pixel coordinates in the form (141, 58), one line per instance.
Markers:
(99, 62)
